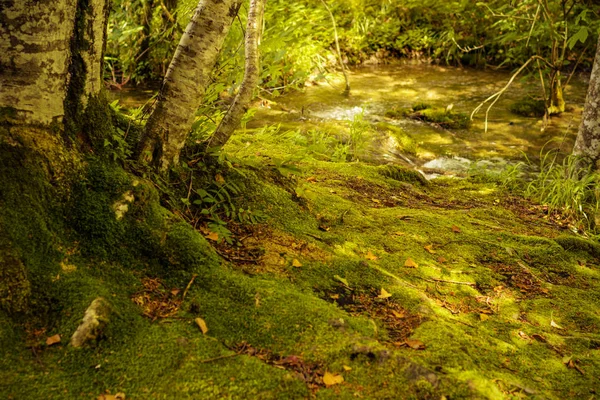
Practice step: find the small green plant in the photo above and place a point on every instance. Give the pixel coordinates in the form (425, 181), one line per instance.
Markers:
(569, 187)
(359, 132)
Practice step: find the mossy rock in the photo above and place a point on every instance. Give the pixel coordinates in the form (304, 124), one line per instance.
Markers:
(574, 243)
(443, 118)
(186, 249)
(529, 108)
(402, 174)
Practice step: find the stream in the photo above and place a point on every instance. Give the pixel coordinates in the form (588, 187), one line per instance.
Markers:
(375, 89)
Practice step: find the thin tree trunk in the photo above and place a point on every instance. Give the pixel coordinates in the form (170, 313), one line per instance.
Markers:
(588, 138)
(37, 58)
(251, 74)
(185, 82)
(337, 47)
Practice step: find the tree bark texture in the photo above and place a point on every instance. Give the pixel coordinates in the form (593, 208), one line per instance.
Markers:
(588, 138)
(36, 53)
(185, 82)
(251, 74)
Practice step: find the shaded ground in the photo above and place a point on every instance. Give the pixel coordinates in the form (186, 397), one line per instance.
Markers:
(403, 288)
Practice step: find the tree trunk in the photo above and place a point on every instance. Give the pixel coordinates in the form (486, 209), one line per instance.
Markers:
(37, 50)
(588, 138)
(251, 74)
(185, 82)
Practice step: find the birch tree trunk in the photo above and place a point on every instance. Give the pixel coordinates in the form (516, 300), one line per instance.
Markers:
(251, 74)
(50, 55)
(588, 138)
(185, 82)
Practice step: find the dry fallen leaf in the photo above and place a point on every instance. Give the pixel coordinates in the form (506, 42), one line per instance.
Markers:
(213, 236)
(219, 179)
(118, 396)
(330, 379)
(334, 296)
(555, 325)
(410, 263)
(429, 249)
(415, 344)
(384, 294)
(202, 325)
(296, 263)
(397, 314)
(539, 338)
(524, 336)
(375, 201)
(455, 229)
(347, 368)
(344, 281)
(371, 256)
(175, 292)
(53, 340)
(441, 260)
(398, 233)
(484, 317)
(311, 179)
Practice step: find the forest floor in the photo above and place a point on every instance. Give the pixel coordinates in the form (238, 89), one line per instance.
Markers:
(363, 281)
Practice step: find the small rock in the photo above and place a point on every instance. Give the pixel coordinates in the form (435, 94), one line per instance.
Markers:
(93, 323)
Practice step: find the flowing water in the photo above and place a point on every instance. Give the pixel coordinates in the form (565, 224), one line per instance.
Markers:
(379, 88)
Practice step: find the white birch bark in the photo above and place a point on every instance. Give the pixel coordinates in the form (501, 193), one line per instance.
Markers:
(185, 82)
(588, 138)
(251, 74)
(35, 54)
(34, 57)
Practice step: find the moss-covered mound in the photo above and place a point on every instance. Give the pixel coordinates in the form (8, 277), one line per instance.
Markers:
(360, 281)
(442, 117)
(529, 107)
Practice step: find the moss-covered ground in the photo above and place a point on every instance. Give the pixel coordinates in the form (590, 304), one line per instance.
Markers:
(406, 289)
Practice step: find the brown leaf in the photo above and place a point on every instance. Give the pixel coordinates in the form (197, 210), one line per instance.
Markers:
(455, 229)
(213, 236)
(384, 294)
(118, 396)
(484, 317)
(202, 325)
(441, 260)
(330, 379)
(397, 314)
(415, 344)
(539, 338)
(175, 292)
(53, 340)
(219, 179)
(429, 249)
(409, 263)
(371, 256)
(296, 263)
(398, 233)
(311, 179)
(375, 201)
(524, 336)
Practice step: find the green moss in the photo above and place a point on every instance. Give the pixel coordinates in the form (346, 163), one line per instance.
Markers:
(529, 107)
(402, 174)
(7, 115)
(15, 288)
(444, 118)
(575, 243)
(186, 249)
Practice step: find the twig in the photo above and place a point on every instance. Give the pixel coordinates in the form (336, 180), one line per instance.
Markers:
(219, 358)
(496, 96)
(532, 25)
(445, 281)
(188, 287)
